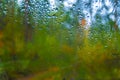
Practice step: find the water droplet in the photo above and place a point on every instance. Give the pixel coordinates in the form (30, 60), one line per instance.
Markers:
(78, 10)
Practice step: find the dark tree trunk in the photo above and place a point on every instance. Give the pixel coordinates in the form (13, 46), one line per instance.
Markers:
(116, 25)
(28, 28)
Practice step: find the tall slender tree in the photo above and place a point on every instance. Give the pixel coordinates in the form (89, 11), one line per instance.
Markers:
(28, 25)
(116, 15)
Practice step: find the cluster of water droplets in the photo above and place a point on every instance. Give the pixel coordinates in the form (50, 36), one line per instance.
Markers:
(3, 7)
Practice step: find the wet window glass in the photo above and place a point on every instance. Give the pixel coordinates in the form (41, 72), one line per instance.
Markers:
(59, 39)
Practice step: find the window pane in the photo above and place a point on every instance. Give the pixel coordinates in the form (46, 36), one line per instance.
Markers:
(59, 39)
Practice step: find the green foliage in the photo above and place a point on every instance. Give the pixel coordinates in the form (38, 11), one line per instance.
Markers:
(58, 51)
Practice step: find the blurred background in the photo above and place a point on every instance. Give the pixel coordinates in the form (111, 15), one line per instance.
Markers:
(59, 40)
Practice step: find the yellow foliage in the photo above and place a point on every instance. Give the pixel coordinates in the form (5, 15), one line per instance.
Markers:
(46, 75)
(50, 78)
(19, 43)
(1, 44)
(50, 40)
(67, 49)
(83, 22)
(1, 36)
(93, 54)
(54, 69)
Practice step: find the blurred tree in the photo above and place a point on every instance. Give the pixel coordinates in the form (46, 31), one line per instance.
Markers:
(116, 14)
(27, 18)
(113, 5)
(3, 13)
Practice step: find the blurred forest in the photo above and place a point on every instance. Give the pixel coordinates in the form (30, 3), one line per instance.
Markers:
(40, 40)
